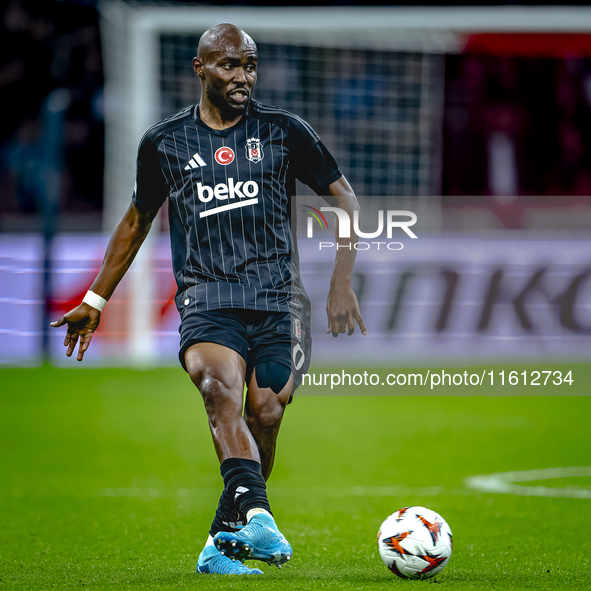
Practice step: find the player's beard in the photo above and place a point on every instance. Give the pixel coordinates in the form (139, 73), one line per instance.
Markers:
(219, 100)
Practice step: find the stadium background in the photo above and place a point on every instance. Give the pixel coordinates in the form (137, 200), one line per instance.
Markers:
(477, 121)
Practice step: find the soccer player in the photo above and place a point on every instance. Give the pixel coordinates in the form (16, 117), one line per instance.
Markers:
(228, 167)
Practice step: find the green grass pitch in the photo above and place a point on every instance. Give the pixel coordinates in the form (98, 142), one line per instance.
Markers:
(108, 480)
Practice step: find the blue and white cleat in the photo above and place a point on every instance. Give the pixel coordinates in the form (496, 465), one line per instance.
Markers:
(212, 562)
(259, 539)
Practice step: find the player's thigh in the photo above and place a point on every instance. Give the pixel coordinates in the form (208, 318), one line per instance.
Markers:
(214, 349)
(279, 352)
(269, 390)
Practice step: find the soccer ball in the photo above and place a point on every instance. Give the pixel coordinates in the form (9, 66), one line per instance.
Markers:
(415, 543)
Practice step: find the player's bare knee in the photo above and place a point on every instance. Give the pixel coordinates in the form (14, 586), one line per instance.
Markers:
(266, 421)
(214, 391)
(211, 387)
(196, 374)
(219, 396)
(265, 413)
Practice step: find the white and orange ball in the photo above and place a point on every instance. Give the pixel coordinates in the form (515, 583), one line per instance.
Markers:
(415, 543)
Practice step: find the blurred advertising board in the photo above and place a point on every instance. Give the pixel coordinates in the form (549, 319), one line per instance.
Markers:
(450, 299)
(464, 299)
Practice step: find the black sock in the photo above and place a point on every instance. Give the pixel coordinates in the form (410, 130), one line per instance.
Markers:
(226, 517)
(244, 483)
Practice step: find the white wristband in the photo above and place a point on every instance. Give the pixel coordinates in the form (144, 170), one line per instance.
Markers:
(94, 301)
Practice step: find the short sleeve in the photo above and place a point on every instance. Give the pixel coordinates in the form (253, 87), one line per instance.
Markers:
(151, 188)
(314, 164)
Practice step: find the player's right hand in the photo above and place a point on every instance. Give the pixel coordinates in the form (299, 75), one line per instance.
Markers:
(82, 322)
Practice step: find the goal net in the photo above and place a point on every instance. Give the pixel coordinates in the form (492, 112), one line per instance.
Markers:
(372, 89)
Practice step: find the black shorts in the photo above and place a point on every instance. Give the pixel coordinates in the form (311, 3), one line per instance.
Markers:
(257, 336)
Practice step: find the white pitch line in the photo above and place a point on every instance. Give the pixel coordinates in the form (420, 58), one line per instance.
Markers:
(136, 492)
(354, 491)
(504, 483)
(500, 482)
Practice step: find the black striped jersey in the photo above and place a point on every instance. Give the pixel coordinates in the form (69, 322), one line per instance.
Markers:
(229, 207)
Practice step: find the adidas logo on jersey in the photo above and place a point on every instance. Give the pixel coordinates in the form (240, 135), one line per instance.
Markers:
(195, 162)
(225, 192)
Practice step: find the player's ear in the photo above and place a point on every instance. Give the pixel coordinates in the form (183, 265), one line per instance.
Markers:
(198, 67)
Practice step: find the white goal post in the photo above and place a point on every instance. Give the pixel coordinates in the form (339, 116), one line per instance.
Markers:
(370, 80)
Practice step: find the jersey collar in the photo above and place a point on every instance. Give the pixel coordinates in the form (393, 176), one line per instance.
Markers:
(219, 132)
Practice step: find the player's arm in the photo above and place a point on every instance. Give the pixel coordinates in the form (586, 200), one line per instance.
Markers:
(123, 246)
(342, 307)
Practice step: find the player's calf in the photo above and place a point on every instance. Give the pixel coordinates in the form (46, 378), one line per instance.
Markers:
(265, 407)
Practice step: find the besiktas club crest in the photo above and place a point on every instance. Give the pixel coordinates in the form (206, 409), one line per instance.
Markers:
(254, 150)
(296, 326)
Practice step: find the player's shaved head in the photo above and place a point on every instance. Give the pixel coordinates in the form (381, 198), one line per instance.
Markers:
(223, 37)
(226, 62)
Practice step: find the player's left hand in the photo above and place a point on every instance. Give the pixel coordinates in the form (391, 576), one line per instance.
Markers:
(342, 310)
